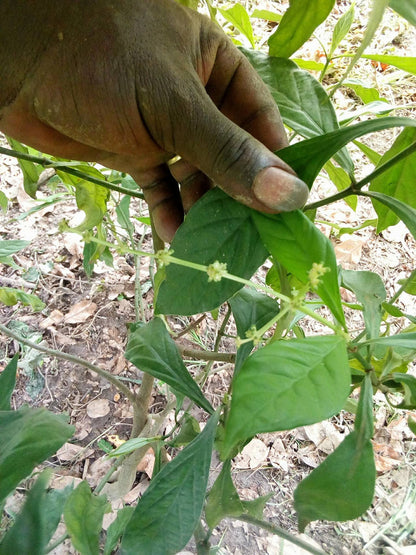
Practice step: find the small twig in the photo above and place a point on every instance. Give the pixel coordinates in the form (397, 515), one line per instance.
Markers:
(18, 282)
(74, 359)
(281, 533)
(206, 355)
(191, 327)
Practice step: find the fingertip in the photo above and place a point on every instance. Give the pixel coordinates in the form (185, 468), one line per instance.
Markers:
(280, 190)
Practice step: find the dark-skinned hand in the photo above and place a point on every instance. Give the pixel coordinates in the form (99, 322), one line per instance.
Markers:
(131, 84)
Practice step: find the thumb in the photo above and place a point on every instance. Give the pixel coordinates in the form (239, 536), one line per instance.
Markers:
(240, 164)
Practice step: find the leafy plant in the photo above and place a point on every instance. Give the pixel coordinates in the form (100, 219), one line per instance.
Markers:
(282, 378)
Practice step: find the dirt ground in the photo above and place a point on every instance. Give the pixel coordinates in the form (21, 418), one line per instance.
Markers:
(88, 317)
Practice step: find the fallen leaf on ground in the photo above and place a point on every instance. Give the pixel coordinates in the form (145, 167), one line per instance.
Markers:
(98, 408)
(70, 451)
(80, 312)
(147, 463)
(349, 251)
(253, 455)
(55, 317)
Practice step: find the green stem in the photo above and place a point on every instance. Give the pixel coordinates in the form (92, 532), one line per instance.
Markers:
(355, 188)
(47, 163)
(74, 359)
(281, 533)
(206, 355)
(56, 543)
(403, 287)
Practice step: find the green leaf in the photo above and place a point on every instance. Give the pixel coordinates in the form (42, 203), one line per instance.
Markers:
(406, 8)
(267, 15)
(83, 515)
(239, 18)
(31, 171)
(371, 154)
(409, 390)
(287, 384)
(27, 437)
(168, 512)
(411, 422)
(342, 487)
(91, 199)
(366, 92)
(7, 248)
(297, 244)
(409, 283)
(402, 340)
(123, 214)
(369, 289)
(131, 445)
(364, 420)
(308, 157)
(406, 63)
(250, 308)
(341, 29)
(54, 507)
(214, 230)
(405, 212)
(28, 533)
(151, 349)
(303, 103)
(223, 500)
(10, 297)
(7, 383)
(188, 432)
(4, 201)
(297, 25)
(398, 180)
(116, 529)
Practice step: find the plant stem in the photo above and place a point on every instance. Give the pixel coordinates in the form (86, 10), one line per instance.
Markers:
(355, 188)
(281, 533)
(403, 287)
(57, 542)
(47, 163)
(206, 355)
(74, 359)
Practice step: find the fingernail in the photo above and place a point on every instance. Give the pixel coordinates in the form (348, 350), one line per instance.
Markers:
(279, 190)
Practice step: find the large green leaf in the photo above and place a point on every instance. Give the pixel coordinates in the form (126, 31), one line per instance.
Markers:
(369, 289)
(27, 437)
(397, 181)
(168, 512)
(307, 158)
(7, 248)
(83, 515)
(287, 384)
(405, 212)
(402, 340)
(91, 199)
(406, 8)
(250, 308)
(406, 63)
(151, 349)
(342, 487)
(116, 529)
(28, 533)
(303, 103)
(217, 228)
(7, 383)
(297, 25)
(297, 244)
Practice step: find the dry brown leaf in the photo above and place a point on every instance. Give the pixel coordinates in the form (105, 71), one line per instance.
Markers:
(324, 435)
(60, 270)
(98, 408)
(349, 251)
(97, 470)
(55, 317)
(147, 463)
(70, 451)
(253, 455)
(136, 492)
(80, 312)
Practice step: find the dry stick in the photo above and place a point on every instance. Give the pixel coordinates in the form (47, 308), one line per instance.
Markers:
(74, 359)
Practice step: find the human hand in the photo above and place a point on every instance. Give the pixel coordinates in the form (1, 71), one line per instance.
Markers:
(134, 83)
